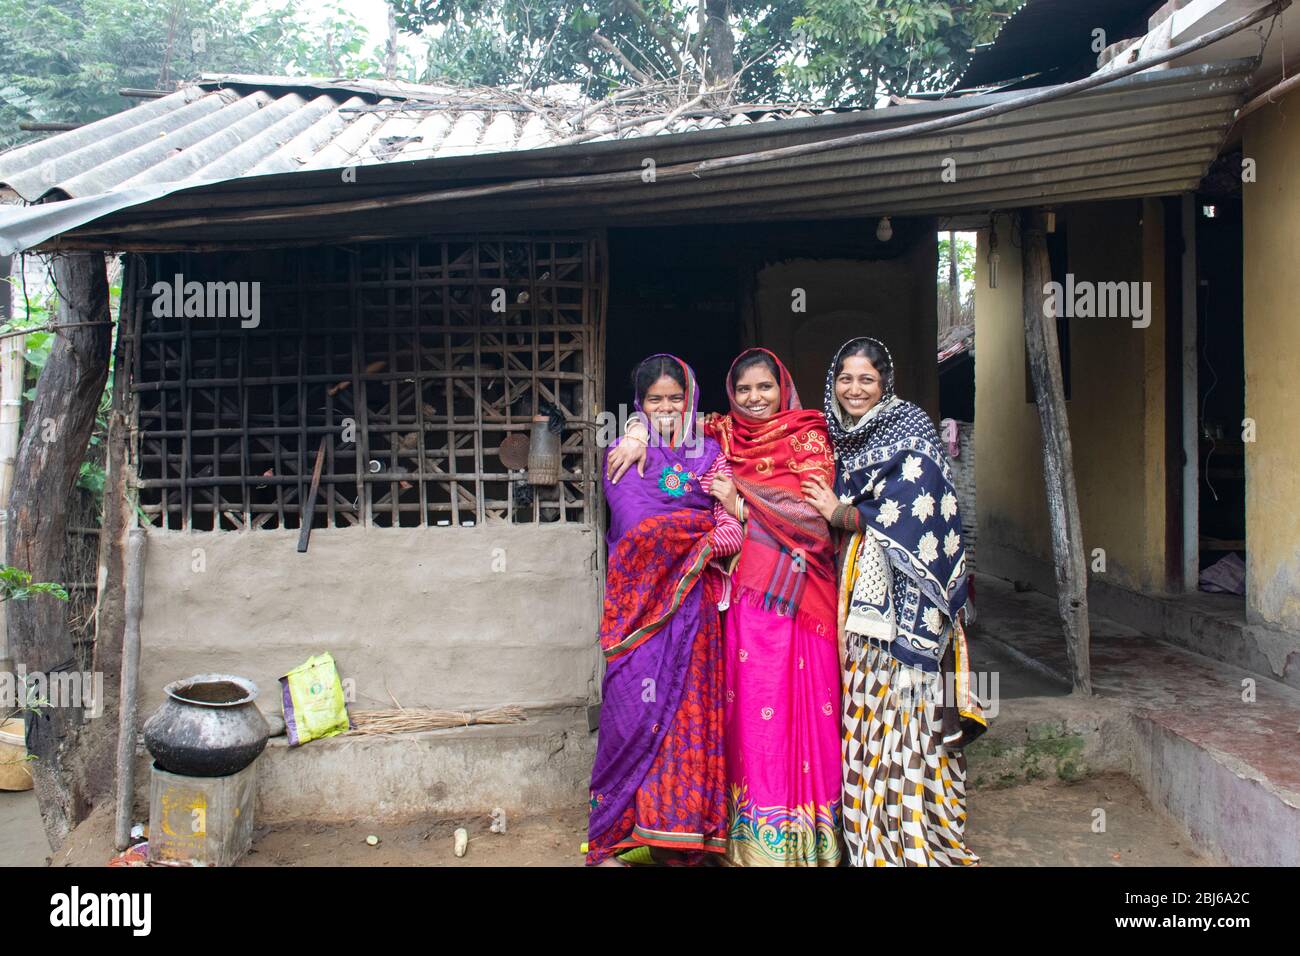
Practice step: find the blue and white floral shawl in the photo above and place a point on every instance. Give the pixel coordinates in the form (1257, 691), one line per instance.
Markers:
(890, 465)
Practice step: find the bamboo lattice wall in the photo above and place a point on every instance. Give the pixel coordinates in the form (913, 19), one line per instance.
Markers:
(396, 345)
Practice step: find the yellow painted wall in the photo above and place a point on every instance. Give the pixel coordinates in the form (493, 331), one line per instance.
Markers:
(1271, 304)
(1008, 451)
(1116, 409)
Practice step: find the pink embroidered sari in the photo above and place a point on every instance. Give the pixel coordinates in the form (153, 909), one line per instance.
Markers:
(780, 646)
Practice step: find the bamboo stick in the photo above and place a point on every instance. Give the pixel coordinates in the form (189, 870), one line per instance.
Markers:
(12, 365)
(126, 729)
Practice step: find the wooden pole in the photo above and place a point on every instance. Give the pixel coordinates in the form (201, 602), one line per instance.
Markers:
(954, 282)
(309, 509)
(1190, 366)
(59, 424)
(34, 127)
(128, 702)
(390, 48)
(119, 516)
(1043, 350)
(12, 366)
(11, 399)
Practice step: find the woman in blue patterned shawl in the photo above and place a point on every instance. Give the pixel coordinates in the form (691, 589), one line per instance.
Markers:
(902, 572)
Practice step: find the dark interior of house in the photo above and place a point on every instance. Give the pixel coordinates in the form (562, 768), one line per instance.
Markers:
(1221, 377)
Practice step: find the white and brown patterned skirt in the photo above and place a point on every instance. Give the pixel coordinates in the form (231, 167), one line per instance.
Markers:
(904, 791)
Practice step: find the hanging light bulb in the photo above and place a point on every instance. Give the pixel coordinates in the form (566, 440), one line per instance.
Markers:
(884, 231)
(994, 258)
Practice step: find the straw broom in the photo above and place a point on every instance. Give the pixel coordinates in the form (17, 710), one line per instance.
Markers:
(406, 720)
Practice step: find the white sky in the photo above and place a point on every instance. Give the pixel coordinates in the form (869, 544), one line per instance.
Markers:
(373, 14)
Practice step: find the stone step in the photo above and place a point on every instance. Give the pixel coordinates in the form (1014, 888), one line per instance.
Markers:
(1212, 744)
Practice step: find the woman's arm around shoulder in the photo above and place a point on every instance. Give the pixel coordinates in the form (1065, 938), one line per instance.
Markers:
(728, 534)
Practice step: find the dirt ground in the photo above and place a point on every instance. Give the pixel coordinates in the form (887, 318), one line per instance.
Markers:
(1036, 824)
(554, 840)
(1050, 823)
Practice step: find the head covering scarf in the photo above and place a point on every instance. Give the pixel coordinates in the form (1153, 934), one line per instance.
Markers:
(851, 438)
(788, 560)
(674, 465)
(683, 440)
(893, 469)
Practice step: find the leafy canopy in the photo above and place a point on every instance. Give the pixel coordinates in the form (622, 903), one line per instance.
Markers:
(65, 60)
(832, 52)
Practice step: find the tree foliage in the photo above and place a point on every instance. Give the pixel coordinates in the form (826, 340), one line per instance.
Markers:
(851, 51)
(17, 585)
(832, 52)
(65, 60)
(539, 43)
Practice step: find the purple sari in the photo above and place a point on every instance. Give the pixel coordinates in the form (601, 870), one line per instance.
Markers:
(659, 777)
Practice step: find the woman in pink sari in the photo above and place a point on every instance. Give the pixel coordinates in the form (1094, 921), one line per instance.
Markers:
(780, 644)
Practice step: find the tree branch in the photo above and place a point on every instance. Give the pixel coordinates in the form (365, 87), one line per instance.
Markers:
(617, 54)
(638, 11)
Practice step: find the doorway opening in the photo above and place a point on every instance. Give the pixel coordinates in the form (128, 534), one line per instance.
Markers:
(1221, 393)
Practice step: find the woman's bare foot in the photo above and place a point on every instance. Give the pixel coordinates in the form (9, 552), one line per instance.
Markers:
(610, 861)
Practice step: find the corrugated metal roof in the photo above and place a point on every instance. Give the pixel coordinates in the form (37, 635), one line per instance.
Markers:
(231, 126)
(1150, 134)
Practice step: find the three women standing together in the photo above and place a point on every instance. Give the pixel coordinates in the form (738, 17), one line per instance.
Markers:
(764, 698)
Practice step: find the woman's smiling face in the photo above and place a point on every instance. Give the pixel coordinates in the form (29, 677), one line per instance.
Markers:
(664, 404)
(858, 386)
(758, 393)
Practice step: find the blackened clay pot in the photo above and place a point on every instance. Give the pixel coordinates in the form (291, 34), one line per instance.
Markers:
(209, 726)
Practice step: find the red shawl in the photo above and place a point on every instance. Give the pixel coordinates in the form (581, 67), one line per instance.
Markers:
(787, 562)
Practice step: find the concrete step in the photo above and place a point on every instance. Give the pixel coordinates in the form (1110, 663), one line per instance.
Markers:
(1050, 738)
(528, 768)
(1212, 625)
(1211, 744)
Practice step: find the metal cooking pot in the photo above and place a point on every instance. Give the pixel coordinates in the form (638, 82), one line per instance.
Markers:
(209, 726)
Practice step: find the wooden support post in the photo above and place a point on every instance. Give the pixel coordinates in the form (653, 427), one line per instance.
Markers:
(12, 365)
(1043, 350)
(60, 421)
(954, 283)
(115, 573)
(1190, 474)
(119, 482)
(129, 695)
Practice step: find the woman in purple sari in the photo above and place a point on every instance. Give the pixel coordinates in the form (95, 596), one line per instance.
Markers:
(660, 777)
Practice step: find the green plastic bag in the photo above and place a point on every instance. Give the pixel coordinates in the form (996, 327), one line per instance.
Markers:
(313, 701)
